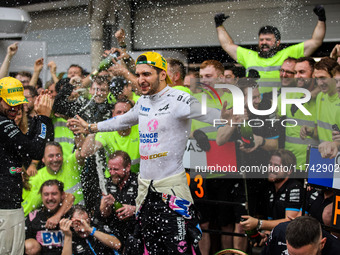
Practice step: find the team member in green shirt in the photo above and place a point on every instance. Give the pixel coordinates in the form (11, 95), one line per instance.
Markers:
(267, 60)
(63, 135)
(211, 72)
(176, 72)
(327, 102)
(56, 167)
(303, 69)
(330, 149)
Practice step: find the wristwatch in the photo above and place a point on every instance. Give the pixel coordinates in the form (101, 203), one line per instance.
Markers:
(259, 225)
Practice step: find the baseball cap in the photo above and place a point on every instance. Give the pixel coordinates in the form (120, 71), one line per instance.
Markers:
(12, 91)
(154, 59)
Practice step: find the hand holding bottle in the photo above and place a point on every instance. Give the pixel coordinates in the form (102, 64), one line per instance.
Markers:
(125, 211)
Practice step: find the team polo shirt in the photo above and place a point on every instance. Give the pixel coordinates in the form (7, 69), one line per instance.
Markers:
(287, 198)
(112, 100)
(112, 142)
(293, 142)
(182, 88)
(51, 240)
(126, 195)
(135, 97)
(268, 67)
(316, 203)
(63, 135)
(326, 109)
(208, 129)
(69, 174)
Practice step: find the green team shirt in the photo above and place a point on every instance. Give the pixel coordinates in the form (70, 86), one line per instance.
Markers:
(69, 174)
(63, 135)
(268, 68)
(112, 100)
(293, 142)
(135, 97)
(112, 141)
(326, 108)
(182, 88)
(208, 129)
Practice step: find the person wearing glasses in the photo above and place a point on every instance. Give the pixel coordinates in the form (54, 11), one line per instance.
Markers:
(287, 72)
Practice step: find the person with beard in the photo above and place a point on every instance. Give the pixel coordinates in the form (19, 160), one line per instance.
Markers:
(303, 69)
(83, 238)
(56, 167)
(268, 58)
(167, 219)
(122, 187)
(40, 237)
(303, 235)
(14, 148)
(284, 195)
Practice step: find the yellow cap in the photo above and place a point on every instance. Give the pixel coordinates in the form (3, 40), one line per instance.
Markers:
(12, 91)
(155, 59)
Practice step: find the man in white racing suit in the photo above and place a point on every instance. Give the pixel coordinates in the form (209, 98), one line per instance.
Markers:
(168, 221)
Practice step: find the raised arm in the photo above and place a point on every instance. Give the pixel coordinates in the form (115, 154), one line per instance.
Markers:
(79, 140)
(11, 51)
(225, 39)
(53, 70)
(90, 146)
(319, 32)
(38, 66)
(32, 145)
(336, 53)
(65, 226)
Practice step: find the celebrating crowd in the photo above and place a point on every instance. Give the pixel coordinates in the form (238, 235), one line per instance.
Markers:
(92, 163)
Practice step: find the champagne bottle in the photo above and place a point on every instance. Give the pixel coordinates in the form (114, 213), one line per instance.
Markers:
(247, 136)
(254, 236)
(117, 205)
(106, 63)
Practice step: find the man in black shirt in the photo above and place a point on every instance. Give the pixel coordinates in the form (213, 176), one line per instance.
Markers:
(265, 140)
(122, 187)
(14, 147)
(284, 195)
(84, 238)
(40, 239)
(301, 236)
